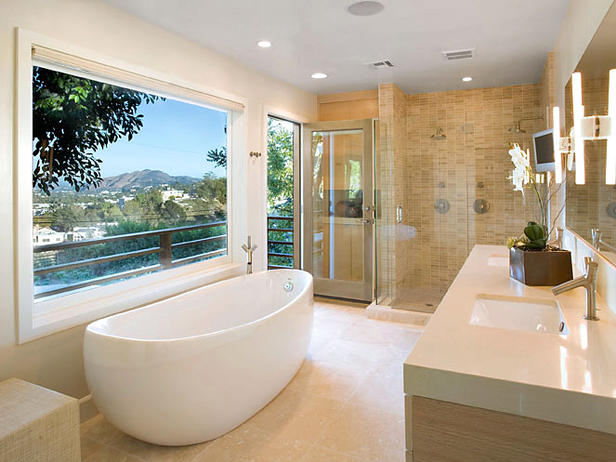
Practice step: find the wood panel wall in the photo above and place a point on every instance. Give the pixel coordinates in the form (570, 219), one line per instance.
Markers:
(349, 106)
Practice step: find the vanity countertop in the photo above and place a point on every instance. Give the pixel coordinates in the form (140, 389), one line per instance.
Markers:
(569, 379)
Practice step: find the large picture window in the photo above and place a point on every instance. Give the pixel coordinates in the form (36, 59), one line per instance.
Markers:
(124, 183)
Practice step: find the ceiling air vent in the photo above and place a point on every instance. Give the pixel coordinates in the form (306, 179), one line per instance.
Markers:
(458, 54)
(382, 64)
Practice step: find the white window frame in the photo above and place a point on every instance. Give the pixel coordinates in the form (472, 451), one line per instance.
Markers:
(73, 309)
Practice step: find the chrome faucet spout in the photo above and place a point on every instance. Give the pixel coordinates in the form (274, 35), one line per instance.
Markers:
(589, 282)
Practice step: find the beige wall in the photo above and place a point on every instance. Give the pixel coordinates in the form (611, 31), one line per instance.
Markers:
(55, 361)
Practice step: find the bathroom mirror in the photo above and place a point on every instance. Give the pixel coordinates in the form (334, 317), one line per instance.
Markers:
(591, 207)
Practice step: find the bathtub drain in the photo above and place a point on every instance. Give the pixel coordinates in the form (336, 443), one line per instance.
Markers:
(288, 286)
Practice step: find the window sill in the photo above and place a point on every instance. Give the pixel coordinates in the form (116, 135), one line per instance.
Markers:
(120, 297)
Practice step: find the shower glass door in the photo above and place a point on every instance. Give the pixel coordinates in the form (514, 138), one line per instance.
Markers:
(339, 208)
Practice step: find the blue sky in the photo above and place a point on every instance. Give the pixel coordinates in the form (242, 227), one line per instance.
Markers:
(175, 138)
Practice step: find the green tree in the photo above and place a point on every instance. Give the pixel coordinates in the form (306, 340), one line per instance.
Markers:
(211, 187)
(145, 207)
(110, 212)
(66, 218)
(72, 118)
(279, 168)
(173, 211)
(218, 156)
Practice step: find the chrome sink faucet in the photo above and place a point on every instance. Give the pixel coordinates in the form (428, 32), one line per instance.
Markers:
(249, 249)
(589, 282)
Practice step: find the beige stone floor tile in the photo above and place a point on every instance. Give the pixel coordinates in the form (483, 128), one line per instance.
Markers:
(340, 314)
(323, 379)
(155, 453)
(330, 328)
(368, 434)
(249, 444)
(295, 416)
(89, 447)
(317, 343)
(99, 430)
(352, 354)
(109, 454)
(382, 391)
(276, 414)
(381, 333)
(317, 454)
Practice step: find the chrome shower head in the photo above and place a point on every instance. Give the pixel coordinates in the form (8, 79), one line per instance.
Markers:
(517, 128)
(439, 135)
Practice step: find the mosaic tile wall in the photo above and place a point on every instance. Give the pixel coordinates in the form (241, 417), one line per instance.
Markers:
(389, 185)
(547, 100)
(471, 163)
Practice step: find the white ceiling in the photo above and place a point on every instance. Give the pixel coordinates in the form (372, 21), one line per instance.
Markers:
(511, 38)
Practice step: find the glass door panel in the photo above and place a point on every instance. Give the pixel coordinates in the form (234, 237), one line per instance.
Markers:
(339, 212)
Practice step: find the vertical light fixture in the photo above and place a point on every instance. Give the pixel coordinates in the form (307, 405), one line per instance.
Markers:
(610, 166)
(578, 115)
(558, 158)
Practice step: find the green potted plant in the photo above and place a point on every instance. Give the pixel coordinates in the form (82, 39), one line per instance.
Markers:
(533, 259)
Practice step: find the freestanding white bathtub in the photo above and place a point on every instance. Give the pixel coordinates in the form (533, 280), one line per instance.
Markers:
(192, 367)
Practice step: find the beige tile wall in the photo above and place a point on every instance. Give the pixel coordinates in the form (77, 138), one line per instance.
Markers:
(385, 201)
(472, 163)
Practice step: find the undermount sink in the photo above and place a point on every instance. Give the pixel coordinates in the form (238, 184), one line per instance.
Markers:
(519, 313)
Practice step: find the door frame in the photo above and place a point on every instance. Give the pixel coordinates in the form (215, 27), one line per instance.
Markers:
(328, 287)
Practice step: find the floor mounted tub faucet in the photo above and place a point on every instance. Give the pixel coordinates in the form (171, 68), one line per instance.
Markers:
(249, 249)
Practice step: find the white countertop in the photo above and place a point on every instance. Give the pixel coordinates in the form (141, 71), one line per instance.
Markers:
(568, 379)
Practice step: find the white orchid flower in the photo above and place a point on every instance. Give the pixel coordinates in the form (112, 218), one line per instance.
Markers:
(521, 174)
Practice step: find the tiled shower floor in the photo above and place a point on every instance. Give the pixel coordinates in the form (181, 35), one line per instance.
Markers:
(345, 404)
(424, 299)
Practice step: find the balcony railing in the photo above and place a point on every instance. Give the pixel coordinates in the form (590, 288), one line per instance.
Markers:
(280, 242)
(164, 249)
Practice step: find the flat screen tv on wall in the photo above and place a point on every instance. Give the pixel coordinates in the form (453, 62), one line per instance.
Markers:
(543, 146)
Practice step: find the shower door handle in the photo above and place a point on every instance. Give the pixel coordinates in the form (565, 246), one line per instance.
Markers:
(399, 214)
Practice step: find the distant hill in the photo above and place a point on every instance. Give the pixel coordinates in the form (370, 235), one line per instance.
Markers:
(143, 178)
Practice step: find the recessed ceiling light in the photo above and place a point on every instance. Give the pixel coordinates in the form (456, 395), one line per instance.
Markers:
(264, 43)
(365, 8)
(319, 75)
(466, 79)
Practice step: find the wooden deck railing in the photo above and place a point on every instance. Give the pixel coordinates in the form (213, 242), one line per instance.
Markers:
(164, 249)
(280, 242)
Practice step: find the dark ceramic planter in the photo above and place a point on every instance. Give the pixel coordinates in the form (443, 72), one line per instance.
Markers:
(540, 267)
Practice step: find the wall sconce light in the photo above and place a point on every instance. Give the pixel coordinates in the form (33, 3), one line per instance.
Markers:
(558, 157)
(591, 128)
(578, 115)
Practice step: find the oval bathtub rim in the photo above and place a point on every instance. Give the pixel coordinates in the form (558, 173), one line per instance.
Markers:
(118, 338)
